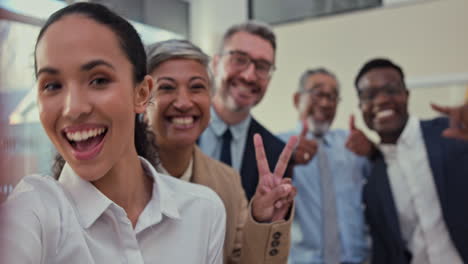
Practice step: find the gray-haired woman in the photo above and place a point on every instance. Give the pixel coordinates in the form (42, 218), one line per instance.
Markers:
(178, 115)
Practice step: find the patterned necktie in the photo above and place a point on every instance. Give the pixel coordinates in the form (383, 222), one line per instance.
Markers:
(331, 237)
(226, 147)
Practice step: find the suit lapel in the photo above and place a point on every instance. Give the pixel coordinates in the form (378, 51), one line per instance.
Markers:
(199, 168)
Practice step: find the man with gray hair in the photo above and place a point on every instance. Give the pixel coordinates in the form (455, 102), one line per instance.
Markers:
(329, 224)
(242, 69)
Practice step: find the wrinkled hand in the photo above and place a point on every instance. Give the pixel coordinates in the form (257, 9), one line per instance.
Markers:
(274, 194)
(306, 148)
(357, 141)
(458, 116)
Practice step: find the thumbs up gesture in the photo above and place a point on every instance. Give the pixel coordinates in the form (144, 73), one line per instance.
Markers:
(306, 148)
(357, 141)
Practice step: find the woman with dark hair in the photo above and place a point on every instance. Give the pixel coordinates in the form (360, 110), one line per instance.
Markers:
(179, 113)
(109, 204)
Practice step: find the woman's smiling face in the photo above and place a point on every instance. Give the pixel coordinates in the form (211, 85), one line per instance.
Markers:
(181, 109)
(86, 95)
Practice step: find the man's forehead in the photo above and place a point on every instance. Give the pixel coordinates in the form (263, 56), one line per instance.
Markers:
(379, 77)
(321, 81)
(255, 46)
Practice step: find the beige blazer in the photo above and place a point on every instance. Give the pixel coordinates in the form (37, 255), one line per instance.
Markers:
(246, 242)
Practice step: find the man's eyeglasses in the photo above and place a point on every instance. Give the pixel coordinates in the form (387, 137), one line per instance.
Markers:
(319, 95)
(241, 61)
(370, 94)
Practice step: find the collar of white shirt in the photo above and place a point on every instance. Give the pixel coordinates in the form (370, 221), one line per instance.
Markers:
(219, 126)
(91, 203)
(411, 133)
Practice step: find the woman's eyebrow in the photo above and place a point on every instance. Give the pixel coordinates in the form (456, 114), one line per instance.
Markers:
(85, 67)
(165, 78)
(94, 63)
(198, 78)
(48, 70)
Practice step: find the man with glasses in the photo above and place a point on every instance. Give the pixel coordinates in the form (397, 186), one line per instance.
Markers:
(416, 196)
(329, 222)
(242, 71)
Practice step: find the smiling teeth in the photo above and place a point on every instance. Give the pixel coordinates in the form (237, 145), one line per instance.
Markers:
(244, 89)
(384, 113)
(182, 120)
(84, 135)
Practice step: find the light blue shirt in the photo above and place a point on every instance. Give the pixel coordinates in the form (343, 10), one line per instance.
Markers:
(349, 172)
(211, 139)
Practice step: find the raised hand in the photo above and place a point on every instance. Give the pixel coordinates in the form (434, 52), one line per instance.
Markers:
(357, 141)
(306, 148)
(458, 116)
(274, 194)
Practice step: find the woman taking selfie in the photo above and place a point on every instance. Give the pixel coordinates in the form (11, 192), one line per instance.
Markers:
(178, 114)
(109, 204)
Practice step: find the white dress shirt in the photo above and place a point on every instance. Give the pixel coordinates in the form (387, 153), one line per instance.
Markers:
(416, 199)
(71, 221)
(211, 142)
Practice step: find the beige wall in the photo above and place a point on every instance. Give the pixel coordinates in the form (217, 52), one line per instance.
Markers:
(427, 39)
(210, 18)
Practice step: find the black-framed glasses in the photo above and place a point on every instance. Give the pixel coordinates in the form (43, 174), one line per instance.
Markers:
(319, 95)
(368, 95)
(241, 61)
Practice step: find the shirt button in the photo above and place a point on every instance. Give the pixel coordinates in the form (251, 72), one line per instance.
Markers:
(273, 252)
(275, 243)
(277, 235)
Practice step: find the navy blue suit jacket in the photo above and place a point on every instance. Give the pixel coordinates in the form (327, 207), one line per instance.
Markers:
(448, 160)
(273, 148)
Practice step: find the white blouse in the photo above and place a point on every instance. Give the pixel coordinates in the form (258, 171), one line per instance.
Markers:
(70, 221)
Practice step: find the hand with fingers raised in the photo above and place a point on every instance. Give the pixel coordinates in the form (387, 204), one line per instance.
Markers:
(306, 148)
(357, 141)
(458, 116)
(274, 194)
